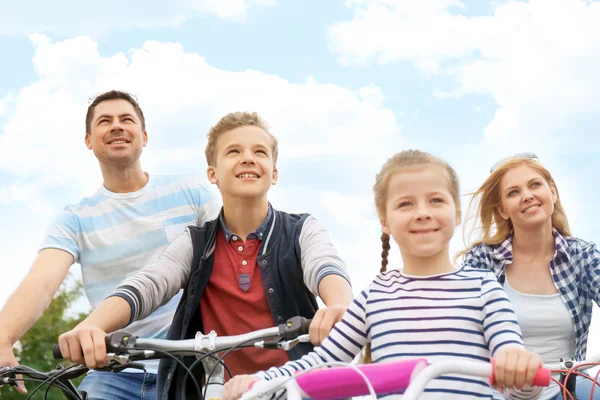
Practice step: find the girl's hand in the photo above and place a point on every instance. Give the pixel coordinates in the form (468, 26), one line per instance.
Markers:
(515, 368)
(237, 386)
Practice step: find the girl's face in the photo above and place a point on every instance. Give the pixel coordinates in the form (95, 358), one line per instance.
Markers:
(526, 198)
(420, 213)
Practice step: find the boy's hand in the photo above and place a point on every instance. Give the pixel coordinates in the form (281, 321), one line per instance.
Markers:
(84, 345)
(237, 386)
(323, 322)
(515, 368)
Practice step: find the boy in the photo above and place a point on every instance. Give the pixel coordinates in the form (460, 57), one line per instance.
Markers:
(250, 268)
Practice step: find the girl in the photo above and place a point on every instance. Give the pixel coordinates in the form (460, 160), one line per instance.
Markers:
(550, 277)
(429, 309)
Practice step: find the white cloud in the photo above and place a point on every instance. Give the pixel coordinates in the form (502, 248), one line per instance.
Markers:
(67, 17)
(537, 59)
(233, 9)
(191, 95)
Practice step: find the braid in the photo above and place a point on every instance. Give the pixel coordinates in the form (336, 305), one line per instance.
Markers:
(385, 246)
(385, 249)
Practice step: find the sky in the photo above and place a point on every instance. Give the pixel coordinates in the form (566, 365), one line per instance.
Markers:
(343, 85)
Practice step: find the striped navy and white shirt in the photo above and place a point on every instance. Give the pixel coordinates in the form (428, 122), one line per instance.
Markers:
(463, 315)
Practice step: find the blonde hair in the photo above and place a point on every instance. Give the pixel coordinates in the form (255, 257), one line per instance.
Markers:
(393, 165)
(483, 214)
(230, 122)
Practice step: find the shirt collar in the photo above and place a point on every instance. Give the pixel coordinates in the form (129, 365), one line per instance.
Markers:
(504, 251)
(259, 233)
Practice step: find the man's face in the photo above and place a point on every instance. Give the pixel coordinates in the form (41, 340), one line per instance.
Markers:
(244, 163)
(116, 135)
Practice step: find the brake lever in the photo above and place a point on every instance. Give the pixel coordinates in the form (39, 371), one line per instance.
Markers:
(288, 344)
(133, 365)
(284, 345)
(9, 379)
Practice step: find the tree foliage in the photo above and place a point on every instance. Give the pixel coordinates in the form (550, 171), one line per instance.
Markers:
(35, 347)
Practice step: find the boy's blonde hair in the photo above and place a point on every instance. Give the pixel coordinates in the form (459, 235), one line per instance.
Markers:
(230, 122)
(395, 164)
(483, 214)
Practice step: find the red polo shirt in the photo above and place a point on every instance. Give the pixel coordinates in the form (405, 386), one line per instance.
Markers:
(234, 303)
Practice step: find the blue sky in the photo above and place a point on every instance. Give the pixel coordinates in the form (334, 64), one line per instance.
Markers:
(344, 84)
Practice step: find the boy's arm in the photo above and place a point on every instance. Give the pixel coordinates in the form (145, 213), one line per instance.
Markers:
(136, 298)
(157, 283)
(31, 298)
(326, 276)
(320, 259)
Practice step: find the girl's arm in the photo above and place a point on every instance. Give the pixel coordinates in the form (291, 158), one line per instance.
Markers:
(513, 364)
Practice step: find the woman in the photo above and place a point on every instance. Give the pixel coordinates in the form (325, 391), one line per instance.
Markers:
(550, 277)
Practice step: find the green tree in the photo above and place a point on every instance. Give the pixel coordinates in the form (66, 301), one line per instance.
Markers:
(35, 347)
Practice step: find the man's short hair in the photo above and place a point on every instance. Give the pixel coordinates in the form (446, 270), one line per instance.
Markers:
(112, 95)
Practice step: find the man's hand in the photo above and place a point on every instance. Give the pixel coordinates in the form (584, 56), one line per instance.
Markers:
(323, 322)
(515, 368)
(7, 359)
(84, 345)
(237, 386)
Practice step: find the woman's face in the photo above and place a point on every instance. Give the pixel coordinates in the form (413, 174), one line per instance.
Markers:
(527, 199)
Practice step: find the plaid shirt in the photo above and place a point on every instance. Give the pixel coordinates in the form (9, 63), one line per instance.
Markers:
(575, 270)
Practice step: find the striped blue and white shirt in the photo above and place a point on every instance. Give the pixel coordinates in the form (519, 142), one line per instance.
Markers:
(463, 315)
(114, 235)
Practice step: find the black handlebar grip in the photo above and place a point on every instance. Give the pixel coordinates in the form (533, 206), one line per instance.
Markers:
(56, 353)
(304, 325)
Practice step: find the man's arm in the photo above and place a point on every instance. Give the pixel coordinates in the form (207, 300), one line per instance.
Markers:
(26, 305)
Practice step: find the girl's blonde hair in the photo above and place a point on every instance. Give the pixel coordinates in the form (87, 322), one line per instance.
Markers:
(483, 214)
(395, 164)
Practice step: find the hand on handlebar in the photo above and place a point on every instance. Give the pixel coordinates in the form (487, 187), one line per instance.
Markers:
(323, 322)
(84, 345)
(237, 386)
(7, 359)
(515, 368)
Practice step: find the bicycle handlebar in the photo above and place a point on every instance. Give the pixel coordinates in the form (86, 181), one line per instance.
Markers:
(121, 342)
(406, 376)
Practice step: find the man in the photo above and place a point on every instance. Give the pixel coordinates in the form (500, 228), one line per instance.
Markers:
(122, 227)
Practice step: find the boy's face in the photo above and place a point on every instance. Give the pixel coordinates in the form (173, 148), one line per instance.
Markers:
(244, 163)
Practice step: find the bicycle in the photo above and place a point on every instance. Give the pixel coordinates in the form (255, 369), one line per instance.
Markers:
(124, 349)
(407, 377)
(569, 369)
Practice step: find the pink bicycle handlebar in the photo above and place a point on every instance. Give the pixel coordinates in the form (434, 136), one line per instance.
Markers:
(386, 378)
(542, 376)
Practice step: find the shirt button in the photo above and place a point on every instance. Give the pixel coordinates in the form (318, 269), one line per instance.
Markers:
(240, 248)
(264, 262)
(244, 262)
(279, 318)
(234, 238)
(169, 376)
(271, 290)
